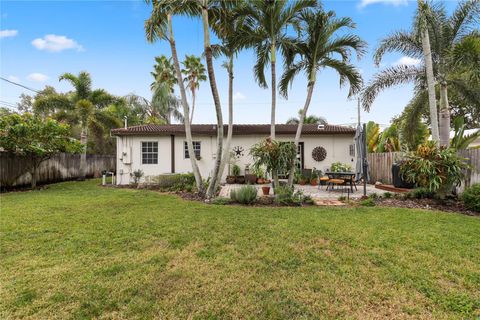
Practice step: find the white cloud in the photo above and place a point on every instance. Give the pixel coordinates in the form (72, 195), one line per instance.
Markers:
(13, 78)
(238, 96)
(37, 77)
(8, 33)
(54, 43)
(396, 3)
(407, 61)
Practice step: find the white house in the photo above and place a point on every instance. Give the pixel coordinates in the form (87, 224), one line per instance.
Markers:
(161, 149)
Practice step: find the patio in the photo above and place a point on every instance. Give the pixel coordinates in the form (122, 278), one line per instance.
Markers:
(313, 191)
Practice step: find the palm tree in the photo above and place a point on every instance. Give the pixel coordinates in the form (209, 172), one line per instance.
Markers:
(164, 104)
(152, 111)
(83, 106)
(373, 136)
(322, 47)
(444, 34)
(307, 119)
(194, 72)
(427, 57)
(226, 23)
(265, 30)
(159, 26)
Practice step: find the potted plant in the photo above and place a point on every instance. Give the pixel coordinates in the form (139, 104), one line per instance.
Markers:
(266, 190)
(236, 173)
(314, 178)
(302, 180)
(260, 174)
(250, 178)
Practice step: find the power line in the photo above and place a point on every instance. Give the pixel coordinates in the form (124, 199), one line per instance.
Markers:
(20, 85)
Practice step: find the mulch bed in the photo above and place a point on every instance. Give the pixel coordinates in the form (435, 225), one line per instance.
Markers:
(449, 205)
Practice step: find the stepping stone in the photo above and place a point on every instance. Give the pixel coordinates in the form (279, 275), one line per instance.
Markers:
(323, 202)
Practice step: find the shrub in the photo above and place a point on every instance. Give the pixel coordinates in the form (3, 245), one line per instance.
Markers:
(236, 170)
(221, 201)
(244, 195)
(342, 198)
(471, 197)
(136, 175)
(373, 196)
(434, 168)
(387, 195)
(420, 193)
(175, 182)
(286, 196)
(368, 202)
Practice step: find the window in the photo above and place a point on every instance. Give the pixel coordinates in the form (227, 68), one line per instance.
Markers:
(149, 152)
(352, 150)
(196, 149)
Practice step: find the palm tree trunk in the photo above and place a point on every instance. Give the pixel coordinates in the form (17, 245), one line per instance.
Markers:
(216, 100)
(444, 116)
(274, 91)
(193, 105)
(302, 115)
(427, 54)
(83, 155)
(226, 151)
(186, 111)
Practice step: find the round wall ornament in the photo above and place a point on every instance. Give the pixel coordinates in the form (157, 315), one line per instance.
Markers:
(319, 153)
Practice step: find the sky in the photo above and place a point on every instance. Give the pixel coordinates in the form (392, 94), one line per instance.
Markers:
(39, 40)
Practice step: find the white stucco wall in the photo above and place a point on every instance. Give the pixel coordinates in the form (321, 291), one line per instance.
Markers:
(337, 147)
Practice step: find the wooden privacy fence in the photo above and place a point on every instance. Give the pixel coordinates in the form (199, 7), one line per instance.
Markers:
(380, 166)
(64, 166)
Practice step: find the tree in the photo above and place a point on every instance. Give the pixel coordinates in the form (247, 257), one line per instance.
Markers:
(164, 104)
(373, 136)
(265, 30)
(427, 58)
(194, 72)
(25, 104)
(307, 119)
(444, 34)
(322, 47)
(85, 107)
(159, 26)
(35, 139)
(389, 140)
(226, 22)
(141, 110)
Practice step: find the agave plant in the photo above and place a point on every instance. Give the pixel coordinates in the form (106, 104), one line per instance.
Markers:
(460, 140)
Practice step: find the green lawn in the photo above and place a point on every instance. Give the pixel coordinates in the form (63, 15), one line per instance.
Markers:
(77, 250)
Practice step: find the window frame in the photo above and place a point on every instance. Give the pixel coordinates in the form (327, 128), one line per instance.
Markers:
(199, 149)
(154, 154)
(351, 150)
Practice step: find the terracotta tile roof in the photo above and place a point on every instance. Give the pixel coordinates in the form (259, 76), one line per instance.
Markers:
(238, 129)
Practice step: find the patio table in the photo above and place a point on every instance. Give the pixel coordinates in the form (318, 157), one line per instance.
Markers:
(347, 176)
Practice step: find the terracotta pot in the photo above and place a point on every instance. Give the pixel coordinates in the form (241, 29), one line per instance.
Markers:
(260, 180)
(240, 179)
(251, 178)
(266, 191)
(230, 179)
(302, 182)
(314, 182)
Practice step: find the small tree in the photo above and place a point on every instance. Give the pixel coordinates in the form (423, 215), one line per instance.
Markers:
(275, 156)
(35, 139)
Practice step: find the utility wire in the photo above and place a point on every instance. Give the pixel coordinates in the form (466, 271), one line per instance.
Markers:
(20, 85)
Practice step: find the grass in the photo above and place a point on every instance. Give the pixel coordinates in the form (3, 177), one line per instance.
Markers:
(80, 251)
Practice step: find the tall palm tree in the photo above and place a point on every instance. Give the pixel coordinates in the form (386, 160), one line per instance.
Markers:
(324, 45)
(444, 34)
(226, 23)
(152, 111)
(164, 104)
(194, 72)
(159, 26)
(84, 107)
(266, 26)
(307, 119)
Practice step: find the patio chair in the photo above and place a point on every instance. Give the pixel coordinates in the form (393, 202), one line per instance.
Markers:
(335, 182)
(324, 180)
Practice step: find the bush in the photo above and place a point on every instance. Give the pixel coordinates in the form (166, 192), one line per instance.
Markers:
(286, 196)
(471, 197)
(342, 198)
(368, 202)
(136, 175)
(374, 196)
(175, 182)
(434, 168)
(244, 195)
(221, 201)
(387, 195)
(420, 193)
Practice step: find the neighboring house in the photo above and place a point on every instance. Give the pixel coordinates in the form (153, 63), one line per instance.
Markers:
(161, 149)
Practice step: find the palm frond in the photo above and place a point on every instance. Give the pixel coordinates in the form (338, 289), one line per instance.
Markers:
(402, 42)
